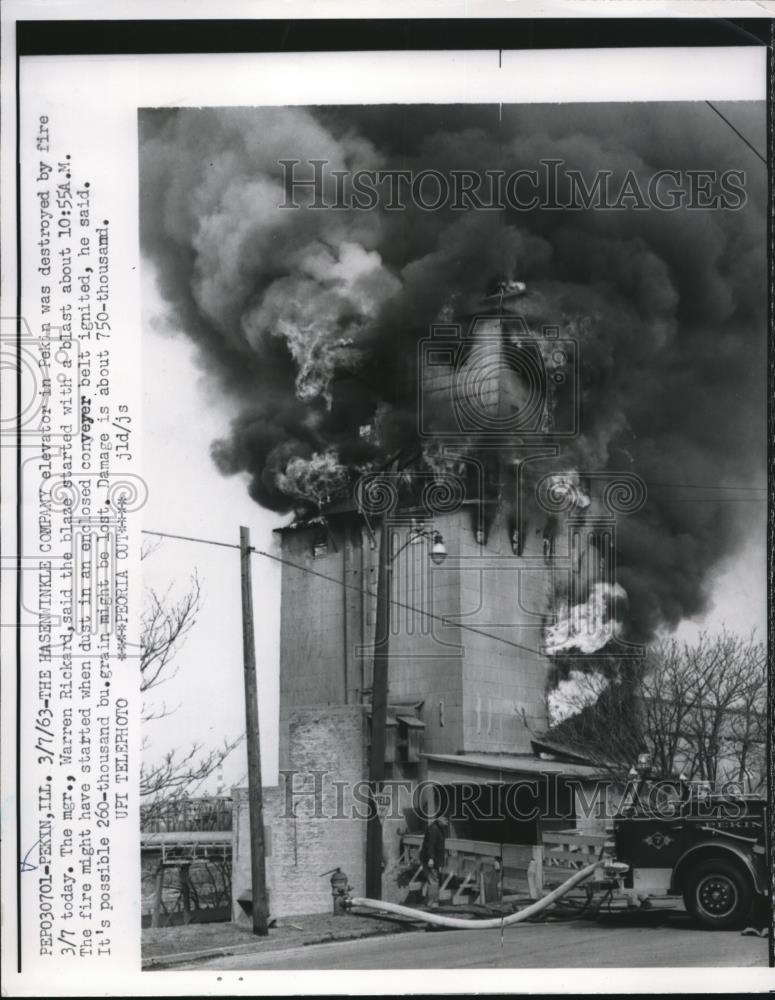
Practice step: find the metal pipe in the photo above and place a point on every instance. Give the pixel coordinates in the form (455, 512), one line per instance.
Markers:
(458, 923)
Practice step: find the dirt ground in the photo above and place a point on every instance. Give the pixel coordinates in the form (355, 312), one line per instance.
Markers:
(161, 945)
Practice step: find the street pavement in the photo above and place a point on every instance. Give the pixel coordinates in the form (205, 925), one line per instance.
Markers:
(616, 941)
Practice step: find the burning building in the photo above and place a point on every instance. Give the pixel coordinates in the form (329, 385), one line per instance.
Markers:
(491, 570)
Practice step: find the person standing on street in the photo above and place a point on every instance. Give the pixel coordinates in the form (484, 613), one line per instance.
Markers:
(433, 856)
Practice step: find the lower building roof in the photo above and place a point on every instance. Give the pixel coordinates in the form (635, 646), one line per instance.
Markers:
(500, 767)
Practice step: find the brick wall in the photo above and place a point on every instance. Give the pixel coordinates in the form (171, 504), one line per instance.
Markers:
(322, 835)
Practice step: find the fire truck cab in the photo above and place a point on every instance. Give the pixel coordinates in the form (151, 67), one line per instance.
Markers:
(687, 839)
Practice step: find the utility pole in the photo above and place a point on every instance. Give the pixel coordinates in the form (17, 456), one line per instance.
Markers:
(379, 697)
(255, 792)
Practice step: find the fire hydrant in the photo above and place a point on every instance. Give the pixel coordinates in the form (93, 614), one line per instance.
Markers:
(340, 890)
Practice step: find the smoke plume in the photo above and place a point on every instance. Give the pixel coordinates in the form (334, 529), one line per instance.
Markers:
(310, 319)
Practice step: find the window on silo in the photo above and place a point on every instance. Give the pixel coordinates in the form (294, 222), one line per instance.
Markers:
(319, 543)
(550, 533)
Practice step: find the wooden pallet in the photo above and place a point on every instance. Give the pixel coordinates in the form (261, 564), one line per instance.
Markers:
(565, 852)
(476, 871)
(483, 872)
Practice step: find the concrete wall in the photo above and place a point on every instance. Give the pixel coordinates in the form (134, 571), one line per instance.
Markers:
(425, 653)
(479, 692)
(480, 683)
(312, 642)
(504, 671)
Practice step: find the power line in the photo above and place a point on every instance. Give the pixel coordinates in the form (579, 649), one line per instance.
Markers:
(398, 604)
(350, 586)
(716, 500)
(737, 133)
(696, 486)
(189, 538)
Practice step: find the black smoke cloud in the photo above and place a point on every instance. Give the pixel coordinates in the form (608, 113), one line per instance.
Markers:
(311, 319)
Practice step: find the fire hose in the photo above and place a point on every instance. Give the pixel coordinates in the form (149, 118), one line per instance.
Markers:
(459, 923)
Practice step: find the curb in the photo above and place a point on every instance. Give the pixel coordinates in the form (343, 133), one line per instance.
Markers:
(193, 956)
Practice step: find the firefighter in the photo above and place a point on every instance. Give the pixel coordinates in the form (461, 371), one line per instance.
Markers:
(432, 856)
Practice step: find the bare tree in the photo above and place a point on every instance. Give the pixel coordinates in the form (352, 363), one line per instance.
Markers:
(668, 679)
(180, 773)
(166, 622)
(748, 728)
(725, 723)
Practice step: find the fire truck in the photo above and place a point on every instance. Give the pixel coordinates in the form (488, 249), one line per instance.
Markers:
(705, 844)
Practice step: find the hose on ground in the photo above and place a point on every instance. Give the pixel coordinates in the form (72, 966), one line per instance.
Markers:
(458, 923)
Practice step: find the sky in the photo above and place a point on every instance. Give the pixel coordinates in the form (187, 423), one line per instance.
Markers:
(188, 496)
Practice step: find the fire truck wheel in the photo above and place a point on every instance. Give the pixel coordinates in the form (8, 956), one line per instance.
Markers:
(718, 894)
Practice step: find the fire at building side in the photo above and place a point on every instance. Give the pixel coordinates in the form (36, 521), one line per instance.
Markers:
(500, 560)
